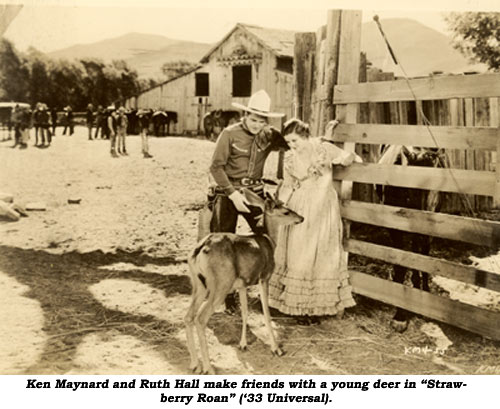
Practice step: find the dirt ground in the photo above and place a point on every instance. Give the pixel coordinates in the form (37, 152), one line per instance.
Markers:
(101, 287)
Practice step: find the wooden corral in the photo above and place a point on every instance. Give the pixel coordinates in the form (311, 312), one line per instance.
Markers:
(315, 73)
(381, 112)
(247, 59)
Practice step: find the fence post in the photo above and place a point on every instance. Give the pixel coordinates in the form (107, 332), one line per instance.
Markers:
(348, 73)
(330, 70)
(303, 72)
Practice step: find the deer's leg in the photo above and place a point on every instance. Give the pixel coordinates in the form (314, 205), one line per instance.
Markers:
(264, 294)
(244, 316)
(204, 313)
(198, 296)
(217, 290)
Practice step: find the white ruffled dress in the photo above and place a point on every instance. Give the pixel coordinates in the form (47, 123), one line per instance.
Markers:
(311, 275)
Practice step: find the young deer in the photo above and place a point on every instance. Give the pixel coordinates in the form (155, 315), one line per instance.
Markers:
(221, 262)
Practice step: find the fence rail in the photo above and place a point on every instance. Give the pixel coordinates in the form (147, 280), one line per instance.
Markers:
(448, 137)
(431, 88)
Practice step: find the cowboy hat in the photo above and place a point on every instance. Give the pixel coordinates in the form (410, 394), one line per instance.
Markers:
(259, 104)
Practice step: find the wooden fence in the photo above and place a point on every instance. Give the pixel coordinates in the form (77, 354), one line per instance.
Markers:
(455, 131)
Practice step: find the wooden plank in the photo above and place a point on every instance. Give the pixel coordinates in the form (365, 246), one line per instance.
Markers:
(444, 180)
(455, 86)
(349, 57)
(494, 165)
(469, 116)
(484, 138)
(446, 226)
(332, 43)
(319, 77)
(304, 55)
(431, 265)
(482, 158)
(496, 196)
(452, 312)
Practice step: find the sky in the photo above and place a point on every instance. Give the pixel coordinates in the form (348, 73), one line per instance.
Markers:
(50, 25)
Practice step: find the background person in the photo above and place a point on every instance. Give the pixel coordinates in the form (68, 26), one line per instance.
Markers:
(89, 119)
(144, 116)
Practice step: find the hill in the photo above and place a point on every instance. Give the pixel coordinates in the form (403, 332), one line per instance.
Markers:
(149, 65)
(419, 49)
(144, 52)
(123, 47)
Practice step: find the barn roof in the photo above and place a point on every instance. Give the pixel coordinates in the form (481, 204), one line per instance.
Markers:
(280, 42)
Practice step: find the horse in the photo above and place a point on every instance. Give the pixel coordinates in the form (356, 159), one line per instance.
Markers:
(411, 198)
(215, 121)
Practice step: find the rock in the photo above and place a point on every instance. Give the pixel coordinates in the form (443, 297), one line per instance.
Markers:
(6, 197)
(74, 200)
(36, 206)
(7, 213)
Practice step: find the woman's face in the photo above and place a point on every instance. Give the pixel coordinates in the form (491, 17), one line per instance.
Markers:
(295, 142)
(255, 123)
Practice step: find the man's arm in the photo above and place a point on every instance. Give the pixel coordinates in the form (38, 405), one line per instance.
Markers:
(219, 160)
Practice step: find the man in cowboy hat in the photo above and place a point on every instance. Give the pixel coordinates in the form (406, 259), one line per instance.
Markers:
(89, 119)
(68, 121)
(121, 131)
(238, 162)
(144, 116)
(112, 124)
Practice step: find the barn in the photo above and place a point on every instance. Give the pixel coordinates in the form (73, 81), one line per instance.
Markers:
(247, 59)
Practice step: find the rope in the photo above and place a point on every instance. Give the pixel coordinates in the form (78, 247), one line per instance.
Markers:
(462, 195)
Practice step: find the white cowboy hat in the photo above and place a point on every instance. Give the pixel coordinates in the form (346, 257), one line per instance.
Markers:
(259, 104)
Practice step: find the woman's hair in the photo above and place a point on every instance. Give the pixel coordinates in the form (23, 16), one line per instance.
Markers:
(295, 125)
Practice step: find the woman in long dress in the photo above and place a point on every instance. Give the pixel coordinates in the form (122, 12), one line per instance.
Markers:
(311, 277)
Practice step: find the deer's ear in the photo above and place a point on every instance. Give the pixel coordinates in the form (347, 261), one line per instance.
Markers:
(253, 199)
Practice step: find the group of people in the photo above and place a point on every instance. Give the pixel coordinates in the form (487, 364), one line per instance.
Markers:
(43, 119)
(113, 124)
(310, 279)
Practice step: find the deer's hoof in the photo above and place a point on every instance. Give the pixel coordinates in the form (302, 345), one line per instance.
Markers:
(399, 326)
(209, 371)
(243, 348)
(196, 368)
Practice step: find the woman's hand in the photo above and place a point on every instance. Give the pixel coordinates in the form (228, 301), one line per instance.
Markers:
(346, 160)
(330, 127)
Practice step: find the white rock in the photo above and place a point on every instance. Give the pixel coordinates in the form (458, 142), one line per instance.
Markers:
(6, 197)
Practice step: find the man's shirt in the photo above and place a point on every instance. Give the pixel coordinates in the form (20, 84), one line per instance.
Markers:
(239, 154)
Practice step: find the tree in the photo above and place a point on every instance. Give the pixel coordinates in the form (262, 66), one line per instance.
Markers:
(14, 73)
(477, 36)
(33, 77)
(173, 69)
(38, 83)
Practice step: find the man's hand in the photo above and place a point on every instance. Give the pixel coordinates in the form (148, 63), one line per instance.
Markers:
(239, 202)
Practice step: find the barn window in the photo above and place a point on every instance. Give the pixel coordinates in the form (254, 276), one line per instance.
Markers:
(242, 80)
(202, 87)
(284, 64)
